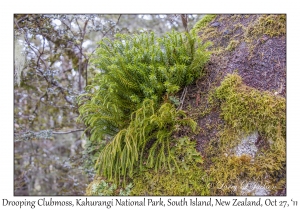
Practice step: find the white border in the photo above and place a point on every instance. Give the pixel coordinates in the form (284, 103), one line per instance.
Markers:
(153, 6)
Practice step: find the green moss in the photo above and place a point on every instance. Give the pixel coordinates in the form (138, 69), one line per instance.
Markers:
(232, 45)
(203, 22)
(146, 140)
(250, 110)
(246, 110)
(272, 25)
(190, 180)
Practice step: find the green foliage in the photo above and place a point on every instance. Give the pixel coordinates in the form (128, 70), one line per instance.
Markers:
(134, 68)
(127, 105)
(174, 100)
(146, 141)
(203, 22)
(272, 25)
(245, 111)
(189, 180)
(250, 110)
(103, 188)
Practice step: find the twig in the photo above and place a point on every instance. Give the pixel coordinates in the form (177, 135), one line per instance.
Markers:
(30, 46)
(182, 98)
(66, 132)
(80, 69)
(107, 32)
(23, 18)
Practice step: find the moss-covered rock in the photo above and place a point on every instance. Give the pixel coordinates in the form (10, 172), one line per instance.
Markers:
(240, 105)
(246, 110)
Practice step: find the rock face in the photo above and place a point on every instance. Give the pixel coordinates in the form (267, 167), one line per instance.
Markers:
(254, 47)
(242, 43)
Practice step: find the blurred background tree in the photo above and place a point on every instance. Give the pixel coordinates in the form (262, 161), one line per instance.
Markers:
(51, 68)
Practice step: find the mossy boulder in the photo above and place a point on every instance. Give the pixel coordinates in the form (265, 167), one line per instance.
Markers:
(240, 103)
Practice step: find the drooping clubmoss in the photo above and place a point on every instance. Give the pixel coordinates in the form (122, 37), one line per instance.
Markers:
(127, 105)
(145, 141)
(135, 68)
(245, 111)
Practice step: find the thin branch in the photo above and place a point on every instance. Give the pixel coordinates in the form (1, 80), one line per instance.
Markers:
(66, 132)
(80, 70)
(30, 46)
(39, 58)
(107, 32)
(38, 103)
(78, 25)
(23, 18)
(112, 27)
(182, 98)
(184, 19)
(68, 27)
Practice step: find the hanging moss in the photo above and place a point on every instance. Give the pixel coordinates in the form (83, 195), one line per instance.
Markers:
(146, 140)
(128, 101)
(135, 68)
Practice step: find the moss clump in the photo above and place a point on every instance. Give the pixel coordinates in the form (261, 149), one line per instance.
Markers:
(188, 182)
(191, 179)
(203, 22)
(246, 110)
(232, 45)
(271, 25)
